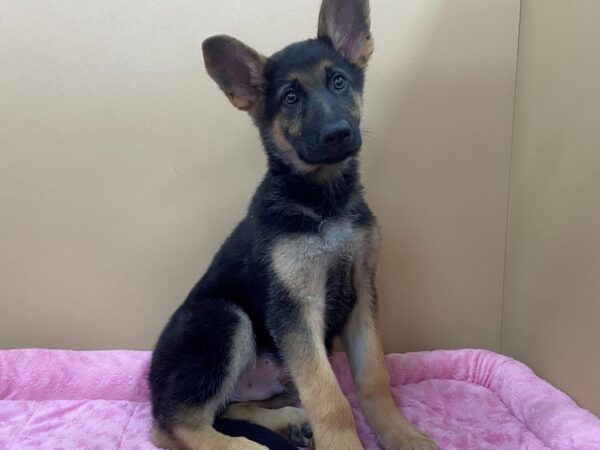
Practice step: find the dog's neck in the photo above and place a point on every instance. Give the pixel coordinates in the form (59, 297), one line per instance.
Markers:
(328, 194)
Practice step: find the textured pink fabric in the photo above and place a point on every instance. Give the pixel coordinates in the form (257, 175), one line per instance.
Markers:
(466, 399)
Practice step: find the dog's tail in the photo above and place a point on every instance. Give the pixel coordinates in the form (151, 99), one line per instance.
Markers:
(256, 433)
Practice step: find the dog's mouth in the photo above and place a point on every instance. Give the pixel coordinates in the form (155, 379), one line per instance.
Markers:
(321, 156)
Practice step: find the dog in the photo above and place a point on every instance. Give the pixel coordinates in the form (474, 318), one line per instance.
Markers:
(256, 330)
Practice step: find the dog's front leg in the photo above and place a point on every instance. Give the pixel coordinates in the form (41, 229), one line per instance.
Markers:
(365, 352)
(300, 340)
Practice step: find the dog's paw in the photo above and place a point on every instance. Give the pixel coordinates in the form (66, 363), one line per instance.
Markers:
(298, 430)
(302, 436)
(413, 440)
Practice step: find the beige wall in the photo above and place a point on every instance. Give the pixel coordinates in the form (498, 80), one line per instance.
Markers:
(552, 297)
(441, 101)
(122, 167)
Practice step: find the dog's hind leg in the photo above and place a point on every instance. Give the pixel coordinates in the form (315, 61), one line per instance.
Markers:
(197, 361)
(287, 421)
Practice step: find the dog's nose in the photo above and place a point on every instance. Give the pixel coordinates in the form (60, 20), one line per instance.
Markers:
(335, 135)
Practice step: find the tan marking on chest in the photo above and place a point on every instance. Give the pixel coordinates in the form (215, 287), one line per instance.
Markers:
(302, 262)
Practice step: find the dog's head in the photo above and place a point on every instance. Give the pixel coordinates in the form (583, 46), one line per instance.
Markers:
(306, 99)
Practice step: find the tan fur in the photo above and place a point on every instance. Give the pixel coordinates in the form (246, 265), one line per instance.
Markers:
(301, 262)
(357, 106)
(293, 127)
(321, 174)
(366, 51)
(288, 398)
(367, 361)
(290, 126)
(278, 420)
(239, 102)
(323, 66)
(327, 408)
(311, 77)
(161, 439)
(288, 153)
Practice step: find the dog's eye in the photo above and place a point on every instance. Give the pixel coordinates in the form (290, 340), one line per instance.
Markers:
(339, 82)
(290, 97)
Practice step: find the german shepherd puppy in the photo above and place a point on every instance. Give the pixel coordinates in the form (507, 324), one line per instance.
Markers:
(296, 272)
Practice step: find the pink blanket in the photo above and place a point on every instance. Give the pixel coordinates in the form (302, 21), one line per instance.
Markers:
(466, 399)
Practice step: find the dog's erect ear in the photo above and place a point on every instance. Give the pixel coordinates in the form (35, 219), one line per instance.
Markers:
(347, 25)
(237, 69)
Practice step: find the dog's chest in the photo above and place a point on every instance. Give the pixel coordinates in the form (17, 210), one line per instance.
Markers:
(317, 270)
(305, 263)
